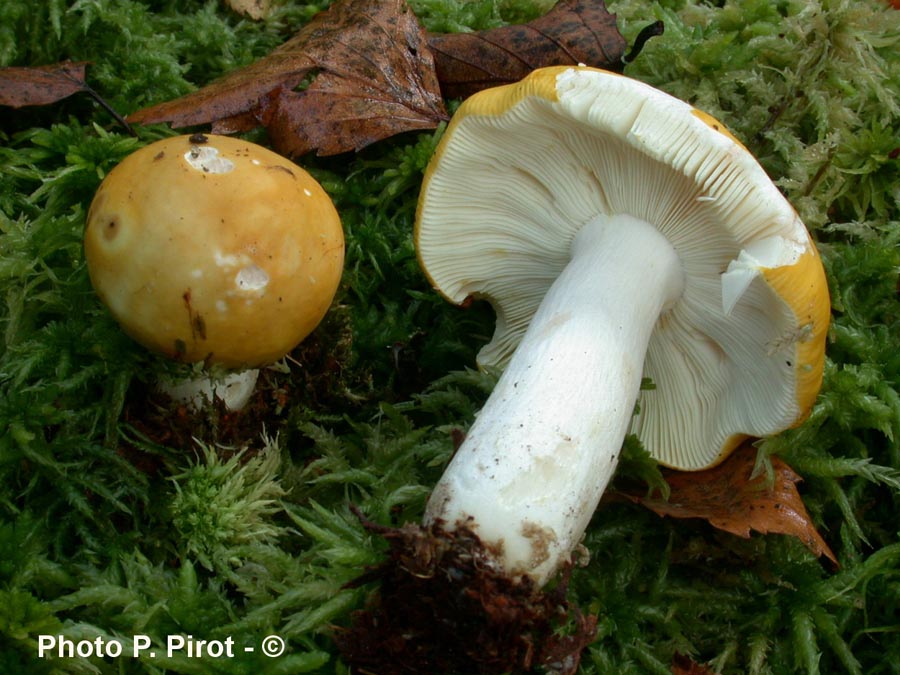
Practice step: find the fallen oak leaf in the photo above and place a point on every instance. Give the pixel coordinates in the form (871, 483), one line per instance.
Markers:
(731, 498)
(572, 32)
(374, 77)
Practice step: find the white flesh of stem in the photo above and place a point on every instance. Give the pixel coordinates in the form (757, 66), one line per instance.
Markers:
(535, 463)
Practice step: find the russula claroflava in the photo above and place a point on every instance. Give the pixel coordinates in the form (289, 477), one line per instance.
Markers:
(214, 249)
(619, 233)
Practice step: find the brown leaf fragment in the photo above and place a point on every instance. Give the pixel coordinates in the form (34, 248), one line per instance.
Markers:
(573, 32)
(732, 499)
(255, 9)
(41, 85)
(685, 665)
(372, 77)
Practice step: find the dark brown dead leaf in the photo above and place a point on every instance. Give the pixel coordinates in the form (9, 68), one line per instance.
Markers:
(42, 85)
(380, 82)
(373, 77)
(573, 32)
(731, 499)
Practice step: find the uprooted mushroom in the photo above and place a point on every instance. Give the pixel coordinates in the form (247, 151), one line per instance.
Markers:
(619, 233)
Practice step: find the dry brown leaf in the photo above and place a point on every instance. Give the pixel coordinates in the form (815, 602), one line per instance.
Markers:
(574, 31)
(380, 82)
(373, 77)
(255, 9)
(41, 85)
(371, 73)
(732, 499)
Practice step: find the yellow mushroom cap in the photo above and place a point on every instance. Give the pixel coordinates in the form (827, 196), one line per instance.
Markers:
(523, 167)
(215, 249)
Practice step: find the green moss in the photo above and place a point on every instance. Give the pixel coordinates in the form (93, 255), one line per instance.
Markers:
(221, 505)
(113, 524)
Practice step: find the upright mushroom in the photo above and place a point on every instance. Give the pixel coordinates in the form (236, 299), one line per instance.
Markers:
(618, 233)
(214, 249)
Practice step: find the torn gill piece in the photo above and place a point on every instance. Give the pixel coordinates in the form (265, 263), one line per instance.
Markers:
(204, 254)
(619, 233)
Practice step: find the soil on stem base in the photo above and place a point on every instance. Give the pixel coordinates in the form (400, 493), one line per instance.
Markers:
(444, 607)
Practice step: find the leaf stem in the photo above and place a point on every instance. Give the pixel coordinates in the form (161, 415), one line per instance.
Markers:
(647, 32)
(108, 108)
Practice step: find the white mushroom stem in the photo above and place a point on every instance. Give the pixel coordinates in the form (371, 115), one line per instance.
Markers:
(534, 465)
(234, 389)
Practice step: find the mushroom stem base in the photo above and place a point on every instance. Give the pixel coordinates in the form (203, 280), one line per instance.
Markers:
(234, 389)
(442, 610)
